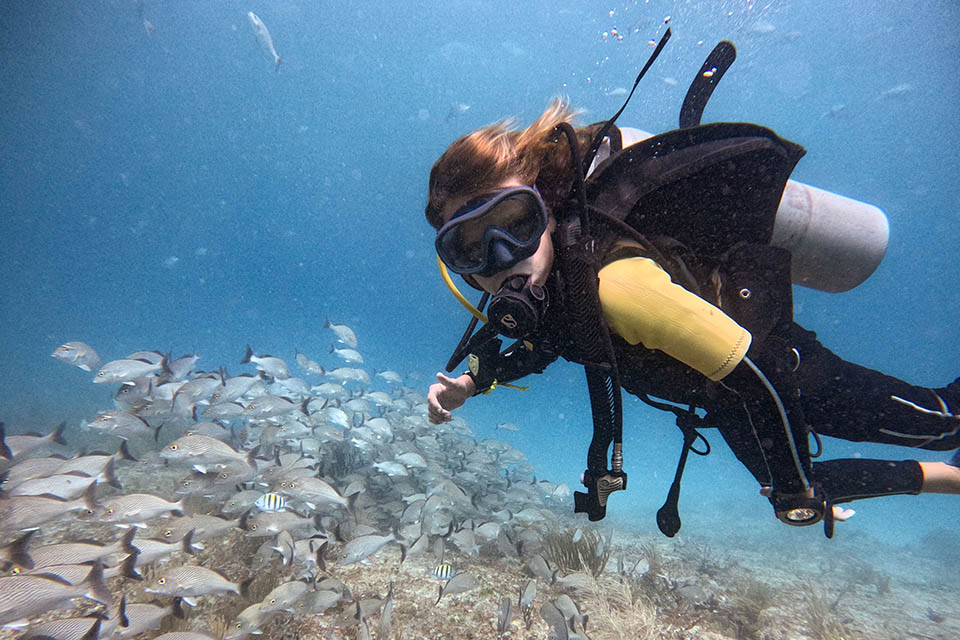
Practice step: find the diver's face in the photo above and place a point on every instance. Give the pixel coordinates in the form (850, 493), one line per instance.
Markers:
(537, 267)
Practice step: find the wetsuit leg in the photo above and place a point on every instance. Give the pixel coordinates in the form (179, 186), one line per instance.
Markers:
(845, 400)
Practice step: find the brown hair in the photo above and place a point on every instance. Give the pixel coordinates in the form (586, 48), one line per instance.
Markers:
(483, 160)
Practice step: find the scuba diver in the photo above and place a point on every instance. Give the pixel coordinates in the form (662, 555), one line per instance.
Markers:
(665, 265)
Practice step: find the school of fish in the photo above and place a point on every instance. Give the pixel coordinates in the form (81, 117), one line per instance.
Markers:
(197, 481)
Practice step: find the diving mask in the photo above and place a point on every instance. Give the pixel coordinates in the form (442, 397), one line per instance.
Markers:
(494, 232)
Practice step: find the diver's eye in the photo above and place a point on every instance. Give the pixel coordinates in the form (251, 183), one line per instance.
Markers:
(162, 581)
(174, 447)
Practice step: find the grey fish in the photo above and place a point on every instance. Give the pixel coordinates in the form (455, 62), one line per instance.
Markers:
(313, 491)
(145, 617)
(504, 615)
(363, 547)
(240, 502)
(15, 446)
(136, 508)
(528, 594)
(66, 486)
(286, 547)
(79, 354)
(202, 525)
(119, 371)
(347, 355)
(233, 388)
(79, 552)
(318, 601)
(344, 333)
(309, 365)
(270, 365)
(31, 468)
(24, 512)
(25, 596)
(148, 550)
(192, 392)
(264, 38)
(349, 374)
(182, 367)
(223, 411)
(272, 523)
(98, 465)
(203, 451)
(270, 406)
(538, 567)
(248, 622)
(17, 552)
(122, 425)
(283, 597)
(87, 628)
(460, 583)
(189, 581)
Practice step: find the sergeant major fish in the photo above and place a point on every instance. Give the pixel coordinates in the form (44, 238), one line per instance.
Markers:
(263, 37)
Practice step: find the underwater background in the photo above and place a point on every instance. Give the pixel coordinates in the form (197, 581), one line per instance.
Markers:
(164, 188)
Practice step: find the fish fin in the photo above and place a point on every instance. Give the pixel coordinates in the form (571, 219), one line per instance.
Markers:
(129, 567)
(5, 452)
(57, 434)
(190, 602)
(90, 497)
(121, 614)
(178, 608)
(110, 474)
(18, 550)
(199, 468)
(187, 543)
(247, 355)
(439, 595)
(245, 586)
(97, 588)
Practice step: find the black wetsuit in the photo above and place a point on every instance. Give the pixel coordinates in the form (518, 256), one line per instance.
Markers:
(821, 392)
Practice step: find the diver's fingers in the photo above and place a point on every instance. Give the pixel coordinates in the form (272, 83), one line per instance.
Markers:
(840, 514)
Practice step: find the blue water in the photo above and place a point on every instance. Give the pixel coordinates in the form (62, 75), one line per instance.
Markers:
(169, 190)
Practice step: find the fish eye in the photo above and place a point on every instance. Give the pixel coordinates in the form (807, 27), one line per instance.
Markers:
(168, 533)
(273, 600)
(100, 373)
(109, 511)
(293, 484)
(283, 485)
(186, 483)
(162, 581)
(174, 446)
(215, 395)
(239, 626)
(189, 433)
(224, 475)
(253, 527)
(15, 571)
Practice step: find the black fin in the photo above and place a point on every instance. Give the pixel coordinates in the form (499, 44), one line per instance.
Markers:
(703, 85)
(19, 552)
(5, 452)
(57, 434)
(246, 356)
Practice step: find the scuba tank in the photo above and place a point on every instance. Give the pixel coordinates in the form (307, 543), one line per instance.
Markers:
(835, 242)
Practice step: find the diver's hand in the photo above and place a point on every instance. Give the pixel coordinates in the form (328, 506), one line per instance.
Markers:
(446, 395)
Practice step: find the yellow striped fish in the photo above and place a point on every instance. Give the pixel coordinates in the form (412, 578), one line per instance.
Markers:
(271, 502)
(443, 571)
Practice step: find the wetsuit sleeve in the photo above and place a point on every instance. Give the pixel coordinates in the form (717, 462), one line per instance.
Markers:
(489, 367)
(642, 305)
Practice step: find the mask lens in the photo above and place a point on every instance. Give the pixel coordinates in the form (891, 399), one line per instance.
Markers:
(514, 217)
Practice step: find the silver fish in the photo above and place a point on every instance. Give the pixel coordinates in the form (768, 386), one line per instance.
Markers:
(203, 527)
(191, 580)
(318, 601)
(284, 597)
(119, 371)
(148, 550)
(270, 365)
(269, 406)
(504, 615)
(264, 38)
(145, 617)
(122, 425)
(182, 367)
(79, 354)
(507, 426)
(86, 628)
(80, 552)
(363, 547)
(137, 508)
(347, 355)
(24, 512)
(66, 486)
(270, 524)
(349, 374)
(14, 447)
(233, 388)
(248, 622)
(344, 333)
(203, 451)
(25, 596)
(309, 365)
(391, 376)
(528, 594)
(460, 583)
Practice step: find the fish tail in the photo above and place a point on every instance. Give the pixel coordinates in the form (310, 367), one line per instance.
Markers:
(110, 475)
(129, 567)
(57, 434)
(96, 587)
(5, 452)
(18, 550)
(247, 355)
(244, 587)
(90, 497)
(123, 453)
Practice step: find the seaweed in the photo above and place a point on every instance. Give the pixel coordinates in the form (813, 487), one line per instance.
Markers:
(745, 613)
(820, 611)
(588, 551)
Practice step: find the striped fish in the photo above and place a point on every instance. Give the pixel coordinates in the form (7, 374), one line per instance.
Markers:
(443, 571)
(271, 502)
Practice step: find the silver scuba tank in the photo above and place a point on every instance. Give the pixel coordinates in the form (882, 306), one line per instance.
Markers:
(835, 242)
